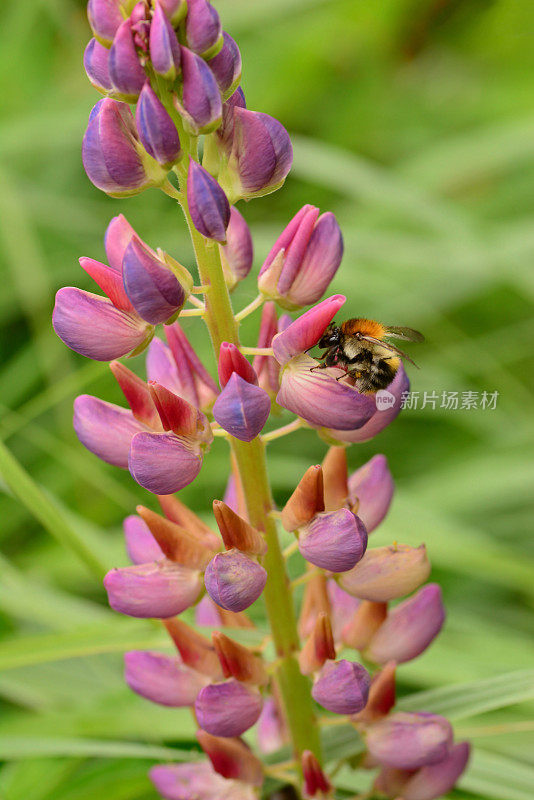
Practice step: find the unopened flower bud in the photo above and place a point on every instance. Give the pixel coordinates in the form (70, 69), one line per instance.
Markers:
(360, 629)
(232, 758)
(159, 589)
(386, 573)
(409, 628)
(233, 580)
(242, 408)
(175, 10)
(208, 205)
(140, 544)
(237, 661)
(336, 490)
(314, 778)
(237, 253)
(202, 27)
(104, 18)
(96, 64)
(228, 709)
(164, 48)
(162, 679)
(334, 540)
(154, 291)
(232, 360)
(112, 154)
(237, 532)
(201, 104)
(303, 260)
(126, 73)
(408, 740)
(319, 646)
(306, 501)
(371, 486)
(342, 687)
(260, 158)
(177, 543)
(226, 66)
(195, 650)
(156, 129)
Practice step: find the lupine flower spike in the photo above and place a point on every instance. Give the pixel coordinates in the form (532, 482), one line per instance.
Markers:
(170, 74)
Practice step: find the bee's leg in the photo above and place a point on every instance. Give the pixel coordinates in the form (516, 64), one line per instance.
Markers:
(318, 366)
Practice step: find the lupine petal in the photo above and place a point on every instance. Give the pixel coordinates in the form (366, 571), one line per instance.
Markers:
(242, 409)
(157, 131)
(152, 288)
(104, 18)
(342, 687)
(228, 709)
(162, 679)
(435, 780)
(202, 26)
(160, 589)
(319, 398)
(408, 741)
(118, 236)
(208, 204)
(95, 61)
(305, 332)
(105, 429)
(92, 326)
(372, 487)
(109, 280)
(320, 262)
(387, 573)
(127, 74)
(164, 463)
(140, 544)
(226, 66)
(201, 97)
(232, 360)
(237, 254)
(335, 540)
(164, 48)
(233, 580)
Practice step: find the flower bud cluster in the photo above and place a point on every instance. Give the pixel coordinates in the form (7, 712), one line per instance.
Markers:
(364, 609)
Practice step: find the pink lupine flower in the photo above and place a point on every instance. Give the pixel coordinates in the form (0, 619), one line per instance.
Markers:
(303, 260)
(342, 687)
(96, 64)
(266, 367)
(409, 740)
(227, 709)
(334, 540)
(164, 48)
(127, 74)
(237, 253)
(104, 18)
(234, 580)
(179, 781)
(242, 408)
(208, 204)
(140, 544)
(386, 573)
(427, 783)
(202, 27)
(371, 487)
(162, 679)
(201, 105)
(226, 66)
(156, 129)
(159, 589)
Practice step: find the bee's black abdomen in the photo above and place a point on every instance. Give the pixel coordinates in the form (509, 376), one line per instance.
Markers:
(379, 375)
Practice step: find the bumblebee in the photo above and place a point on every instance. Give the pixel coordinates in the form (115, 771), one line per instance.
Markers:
(360, 348)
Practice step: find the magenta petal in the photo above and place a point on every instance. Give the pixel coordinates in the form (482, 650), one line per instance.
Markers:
(109, 280)
(140, 544)
(201, 97)
(242, 408)
(305, 332)
(95, 61)
(164, 463)
(342, 687)
(202, 25)
(237, 254)
(372, 486)
(127, 74)
(152, 288)
(164, 48)
(382, 417)
(408, 741)
(105, 429)
(160, 589)
(161, 368)
(156, 129)
(91, 325)
(208, 204)
(228, 709)
(234, 580)
(118, 236)
(199, 781)
(104, 18)
(335, 540)
(319, 398)
(206, 613)
(162, 679)
(270, 731)
(319, 263)
(226, 66)
(435, 780)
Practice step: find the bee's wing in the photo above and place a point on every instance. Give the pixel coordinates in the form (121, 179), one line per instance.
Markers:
(390, 347)
(408, 334)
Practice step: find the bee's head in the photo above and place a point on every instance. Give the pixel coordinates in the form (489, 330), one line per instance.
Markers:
(331, 337)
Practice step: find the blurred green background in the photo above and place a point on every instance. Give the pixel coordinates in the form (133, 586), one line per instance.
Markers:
(413, 120)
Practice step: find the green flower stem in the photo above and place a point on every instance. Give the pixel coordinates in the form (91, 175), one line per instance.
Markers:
(252, 466)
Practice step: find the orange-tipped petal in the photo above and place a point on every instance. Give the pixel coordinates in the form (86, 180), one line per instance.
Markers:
(196, 651)
(176, 542)
(314, 778)
(319, 646)
(231, 758)
(382, 695)
(365, 623)
(236, 532)
(177, 512)
(314, 602)
(306, 501)
(237, 661)
(335, 477)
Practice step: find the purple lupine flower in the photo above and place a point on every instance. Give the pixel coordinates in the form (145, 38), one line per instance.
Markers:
(234, 580)
(126, 73)
(225, 132)
(118, 235)
(303, 260)
(140, 544)
(96, 64)
(228, 709)
(386, 573)
(208, 204)
(409, 628)
(266, 367)
(409, 740)
(104, 18)
(165, 462)
(157, 131)
(112, 154)
(174, 9)
(159, 589)
(260, 156)
(164, 48)
(429, 782)
(105, 429)
(199, 779)
(178, 368)
(154, 291)
(315, 395)
(202, 27)
(371, 486)
(382, 417)
(201, 104)
(334, 540)
(242, 408)
(342, 687)
(162, 679)
(237, 254)
(271, 731)
(226, 66)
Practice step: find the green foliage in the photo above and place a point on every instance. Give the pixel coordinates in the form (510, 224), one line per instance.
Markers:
(412, 120)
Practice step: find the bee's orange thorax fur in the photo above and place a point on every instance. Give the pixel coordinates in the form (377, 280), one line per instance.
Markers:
(369, 327)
